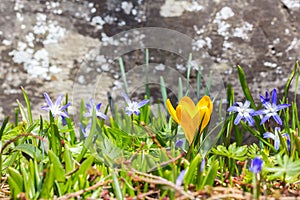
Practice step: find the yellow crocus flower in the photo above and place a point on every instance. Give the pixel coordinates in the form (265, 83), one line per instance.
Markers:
(190, 116)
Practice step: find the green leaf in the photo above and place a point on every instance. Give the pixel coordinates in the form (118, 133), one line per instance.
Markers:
(211, 174)
(192, 170)
(85, 165)
(15, 182)
(163, 90)
(30, 150)
(289, 81)
(47, 187)
(17, 178)
(122, 68)
(68, 159)
(29, 114)
(21, 108)
(116, 185)
(59, 171)
(5, 122)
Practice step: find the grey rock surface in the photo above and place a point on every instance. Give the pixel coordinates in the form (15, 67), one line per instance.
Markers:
(61, 46)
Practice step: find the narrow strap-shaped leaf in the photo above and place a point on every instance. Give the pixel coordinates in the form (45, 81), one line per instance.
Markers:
(245, 86)
(116, 185)
(289, 81)
(123, 74)
(5, 122)
(27, 105)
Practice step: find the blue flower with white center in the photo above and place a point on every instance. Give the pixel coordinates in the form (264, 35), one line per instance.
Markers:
(56, 109)
(244, 112)
(256, 165)
(90, 106)
(275, 137)
(133, 107)
(271, 109)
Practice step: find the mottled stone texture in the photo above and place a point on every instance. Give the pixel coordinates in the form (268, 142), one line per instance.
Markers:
(50, 45)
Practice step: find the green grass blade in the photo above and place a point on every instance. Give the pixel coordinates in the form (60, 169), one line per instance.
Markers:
(163, 90)
(289, 81)
(29, 114)
(116, 186)
(147, 74)
(188, 74)
(123, 74)
(180, 89)
(245, 87)
(5, 122)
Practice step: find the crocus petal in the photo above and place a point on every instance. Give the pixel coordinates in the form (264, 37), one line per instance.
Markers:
(172, 111)
(188, 105)
(142, 103)
(256, 165)
(188, 125)
(205, 107)
(48, 100)
(269, 135)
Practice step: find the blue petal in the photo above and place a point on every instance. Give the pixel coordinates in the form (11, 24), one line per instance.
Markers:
(58, 100)
(282, 106)
(103, 116)
(48, 100)
(232, 109)
(65, 106)
(47, 108)
(142, 103)
(249, 119)
(238, 119)
(274, 96)
(247, 103)
(180, 177)
(277, 119)
(98, 106)
(269, 135)
(259, 112)
(126, 98)
(265, 118)
(288, 140)
(277, 142)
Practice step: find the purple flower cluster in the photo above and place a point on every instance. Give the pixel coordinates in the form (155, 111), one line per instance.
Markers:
(270, 110)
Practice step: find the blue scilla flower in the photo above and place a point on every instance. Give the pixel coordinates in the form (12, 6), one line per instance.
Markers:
(56, 108)
(256, 165)
(275, 136)
(90, 106)
(133, 107)
(271, 108)
(244, 112)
